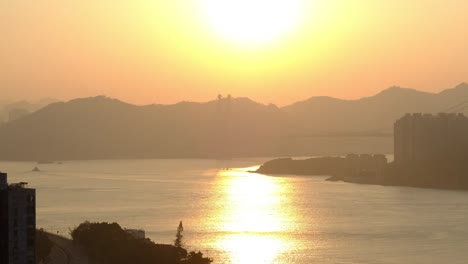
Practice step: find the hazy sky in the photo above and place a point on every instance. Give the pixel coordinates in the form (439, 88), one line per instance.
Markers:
(161, 51)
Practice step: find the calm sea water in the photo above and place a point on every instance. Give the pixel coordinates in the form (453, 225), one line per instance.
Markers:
(236, 217)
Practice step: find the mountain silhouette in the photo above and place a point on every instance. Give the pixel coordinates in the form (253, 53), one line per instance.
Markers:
(105, 128)
(375, 113)
(100, 127)
(6, 107)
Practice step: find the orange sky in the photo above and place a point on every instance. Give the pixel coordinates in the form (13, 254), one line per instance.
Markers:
(158, 51)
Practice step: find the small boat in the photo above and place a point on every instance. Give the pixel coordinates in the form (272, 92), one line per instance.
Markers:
(45, 162)
(36, 169)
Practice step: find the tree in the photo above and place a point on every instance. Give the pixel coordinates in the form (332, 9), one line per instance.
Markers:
(179, 237)
(109, 243)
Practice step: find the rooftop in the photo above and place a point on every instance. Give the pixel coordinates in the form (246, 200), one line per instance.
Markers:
(4, 183)
(20, 185)
(427, 116)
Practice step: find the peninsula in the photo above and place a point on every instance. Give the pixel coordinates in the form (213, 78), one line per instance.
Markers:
(430, 152)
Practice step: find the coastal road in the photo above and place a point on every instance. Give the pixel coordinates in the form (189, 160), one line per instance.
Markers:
(64, 252)
(58, 255)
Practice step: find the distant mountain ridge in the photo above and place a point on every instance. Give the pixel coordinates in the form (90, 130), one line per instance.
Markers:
(105, 128)
(8, 107)
(377, 112)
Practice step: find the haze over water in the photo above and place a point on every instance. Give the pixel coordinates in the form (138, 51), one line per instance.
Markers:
(237, 217)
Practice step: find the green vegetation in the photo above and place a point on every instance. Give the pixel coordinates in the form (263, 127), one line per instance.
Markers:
(110, 244)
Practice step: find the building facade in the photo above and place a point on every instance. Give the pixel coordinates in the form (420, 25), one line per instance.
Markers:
(425, 137)
(136, 233)
(366, 164)
(17, 223)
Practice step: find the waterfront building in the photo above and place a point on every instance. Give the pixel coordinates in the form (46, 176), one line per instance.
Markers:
(366, 164)
(425, 137)
(17, 222)
(136, 233)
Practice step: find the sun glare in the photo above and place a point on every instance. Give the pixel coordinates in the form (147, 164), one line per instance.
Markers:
(251, 22)
(253, 216)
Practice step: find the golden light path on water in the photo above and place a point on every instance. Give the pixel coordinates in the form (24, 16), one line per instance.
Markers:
(253, 217)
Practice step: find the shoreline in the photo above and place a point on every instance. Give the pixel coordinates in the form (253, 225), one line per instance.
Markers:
(441, 175)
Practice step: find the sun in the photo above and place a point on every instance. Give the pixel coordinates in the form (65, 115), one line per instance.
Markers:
(251, 22)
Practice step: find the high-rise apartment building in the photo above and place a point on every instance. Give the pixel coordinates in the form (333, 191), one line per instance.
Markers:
(17, 222)
(425, 137)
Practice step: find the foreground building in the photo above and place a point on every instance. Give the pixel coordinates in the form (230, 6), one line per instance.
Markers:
(427, 137)
(17, 222)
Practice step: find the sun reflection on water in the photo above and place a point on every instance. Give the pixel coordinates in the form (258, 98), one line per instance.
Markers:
(248, 248)
(252, 217)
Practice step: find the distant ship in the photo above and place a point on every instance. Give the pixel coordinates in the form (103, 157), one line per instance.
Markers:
(45, 162)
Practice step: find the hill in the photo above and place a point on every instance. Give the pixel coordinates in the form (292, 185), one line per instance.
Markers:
(101, 128)
(376, 113)
(12, 110)
(105, 128)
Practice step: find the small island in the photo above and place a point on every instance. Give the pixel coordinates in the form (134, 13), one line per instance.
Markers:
(364, 168)
(337, 167)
